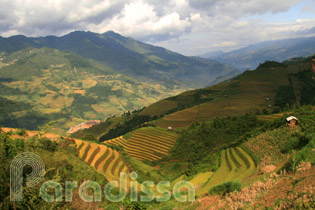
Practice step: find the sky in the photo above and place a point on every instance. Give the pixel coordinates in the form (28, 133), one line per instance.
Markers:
(189, 27)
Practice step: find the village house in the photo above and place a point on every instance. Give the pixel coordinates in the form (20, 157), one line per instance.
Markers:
(292, 121)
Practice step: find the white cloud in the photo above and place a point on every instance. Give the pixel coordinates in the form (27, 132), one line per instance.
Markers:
(139, 19)
(187, 26)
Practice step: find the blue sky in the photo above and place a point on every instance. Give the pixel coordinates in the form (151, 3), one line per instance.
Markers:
(190, 27)
(296, 12)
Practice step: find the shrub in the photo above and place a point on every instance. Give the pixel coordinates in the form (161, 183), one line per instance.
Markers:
(48, 145)
(276, 109)
(291, 144)
(226, 187)
(266, 111)
(295, 143)
(20, 132)
(305, 154)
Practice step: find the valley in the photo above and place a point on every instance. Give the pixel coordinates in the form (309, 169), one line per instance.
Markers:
(180, 142)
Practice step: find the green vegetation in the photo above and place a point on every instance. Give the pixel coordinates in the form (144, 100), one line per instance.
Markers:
(285, 95)
(270, 89)
(133, 205)
(271, 64)
(200, 142)
(301, 146)
(135, 122)
(62, 164)
(215, 140)
(225, 188)
(47, 84)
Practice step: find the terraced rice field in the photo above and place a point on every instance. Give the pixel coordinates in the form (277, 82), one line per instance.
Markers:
(149, 143)
(105, 160)
(235, 164)
(201, 179)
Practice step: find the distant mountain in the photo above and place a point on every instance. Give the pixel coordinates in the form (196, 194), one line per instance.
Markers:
(279, 50)
(212, 54)
(128, 56)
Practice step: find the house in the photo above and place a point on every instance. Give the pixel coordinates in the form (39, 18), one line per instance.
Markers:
(169, 128)
(292, 121)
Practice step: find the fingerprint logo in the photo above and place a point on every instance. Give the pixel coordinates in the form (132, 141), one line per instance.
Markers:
(16, 173)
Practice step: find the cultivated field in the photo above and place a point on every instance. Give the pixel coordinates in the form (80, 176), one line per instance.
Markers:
(103, 159)
(149, 143)
(236, 164)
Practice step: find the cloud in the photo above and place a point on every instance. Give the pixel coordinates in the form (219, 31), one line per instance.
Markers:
(35, 17)
(238, 8)
(187, 26)
(139, 19)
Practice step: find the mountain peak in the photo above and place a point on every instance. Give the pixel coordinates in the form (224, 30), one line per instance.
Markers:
(112, 34)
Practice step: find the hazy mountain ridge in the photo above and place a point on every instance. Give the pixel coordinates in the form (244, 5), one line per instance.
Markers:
(279, 50)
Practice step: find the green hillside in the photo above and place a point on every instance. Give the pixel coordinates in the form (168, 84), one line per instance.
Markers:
(128, 56)
(270, 85)
(38, 85)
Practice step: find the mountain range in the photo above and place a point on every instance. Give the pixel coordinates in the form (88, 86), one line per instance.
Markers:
(278, 50)
(128, 56)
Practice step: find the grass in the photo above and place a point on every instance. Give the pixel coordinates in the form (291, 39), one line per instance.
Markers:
(150, 143)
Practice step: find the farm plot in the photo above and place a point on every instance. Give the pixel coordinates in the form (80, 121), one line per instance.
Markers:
(103, 159)
(235, 164)
(150, 143)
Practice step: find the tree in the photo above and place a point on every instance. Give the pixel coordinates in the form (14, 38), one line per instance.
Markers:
(297, 105)
(276, 109)
(266, 111)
